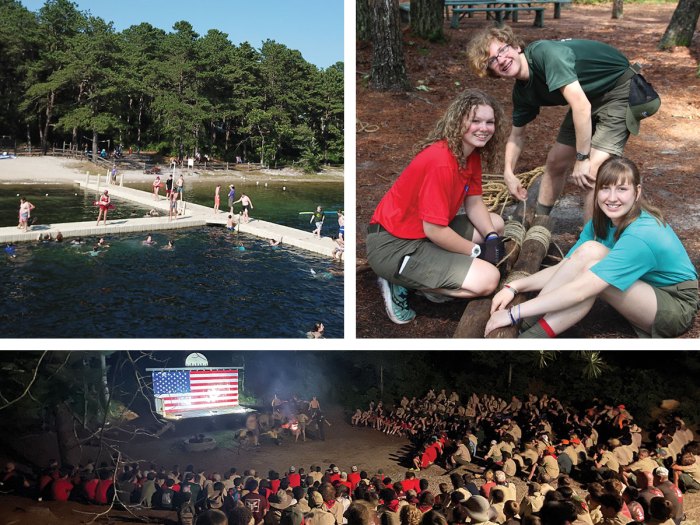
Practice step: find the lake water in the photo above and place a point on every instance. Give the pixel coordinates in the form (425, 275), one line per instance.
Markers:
(205, 287)
(67, 203)
(278, 202)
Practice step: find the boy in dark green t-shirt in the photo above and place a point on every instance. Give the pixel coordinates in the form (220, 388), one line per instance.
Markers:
(591, 77)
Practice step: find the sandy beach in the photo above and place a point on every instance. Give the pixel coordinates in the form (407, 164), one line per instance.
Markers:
(55, 169)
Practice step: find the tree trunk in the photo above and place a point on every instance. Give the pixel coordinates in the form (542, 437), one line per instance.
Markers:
(682, 25)
(617, 7)
(49, 114)
(388, 71)
(68, 446)
(363, 26)
(95, 152)
(138, 133)
(427, 20)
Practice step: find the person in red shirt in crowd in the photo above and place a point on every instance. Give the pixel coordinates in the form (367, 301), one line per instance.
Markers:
(354, 478)
(489, 483)
(411, 482)
(344, 481)
(274, 478)
(428, 456)
(48, 476)
(105, 488)
(417, 238)
(334, 474)
(294, 477)
(89, 487)
(62, 487)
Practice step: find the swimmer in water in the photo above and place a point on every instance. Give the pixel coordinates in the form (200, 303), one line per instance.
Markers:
(273, 242)
(230, 225)
(169, 246)
(149, 241)
(102, 244)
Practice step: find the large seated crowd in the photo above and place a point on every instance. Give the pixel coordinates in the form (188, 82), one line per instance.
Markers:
(486, 447)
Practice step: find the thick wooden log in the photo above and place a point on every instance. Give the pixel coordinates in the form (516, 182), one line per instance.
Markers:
(532, 254)
(476, 314)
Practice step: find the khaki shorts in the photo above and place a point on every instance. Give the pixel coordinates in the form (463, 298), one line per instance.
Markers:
(676, 307)
(428, 266)
(608, 113)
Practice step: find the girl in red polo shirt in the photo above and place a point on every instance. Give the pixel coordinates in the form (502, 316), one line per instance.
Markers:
(417, 238)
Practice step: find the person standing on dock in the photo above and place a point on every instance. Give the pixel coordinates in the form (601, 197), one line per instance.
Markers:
(231, 197)
(173, 206)
(25, 211)
(156, 188)
(217, 198)
(318, 217)
(595, 80)
(180, 184)
(247, 206)
(103, 204)
(169, 185)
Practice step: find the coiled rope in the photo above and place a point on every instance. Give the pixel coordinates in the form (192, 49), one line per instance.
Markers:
(495, 191)
(361, 126)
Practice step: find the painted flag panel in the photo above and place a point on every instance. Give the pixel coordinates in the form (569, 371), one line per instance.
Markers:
(196, 389)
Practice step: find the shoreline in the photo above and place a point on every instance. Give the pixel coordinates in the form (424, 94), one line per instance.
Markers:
(55, 170)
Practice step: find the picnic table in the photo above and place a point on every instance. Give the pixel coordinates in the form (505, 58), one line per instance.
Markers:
(502, 9)
(498, 9)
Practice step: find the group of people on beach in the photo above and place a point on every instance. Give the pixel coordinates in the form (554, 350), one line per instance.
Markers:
(432, 233)
(529, 461)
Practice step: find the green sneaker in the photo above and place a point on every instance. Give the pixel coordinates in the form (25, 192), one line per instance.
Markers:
(396, 302)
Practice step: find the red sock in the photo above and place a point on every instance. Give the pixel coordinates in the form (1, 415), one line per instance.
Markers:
(547, 329)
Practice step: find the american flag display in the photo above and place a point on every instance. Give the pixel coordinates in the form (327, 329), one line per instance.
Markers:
(196, 389)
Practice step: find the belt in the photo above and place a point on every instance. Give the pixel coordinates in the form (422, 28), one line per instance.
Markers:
(629, 73)
(375, 228)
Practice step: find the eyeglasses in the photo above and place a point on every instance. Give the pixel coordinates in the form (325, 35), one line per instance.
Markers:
(492, 61)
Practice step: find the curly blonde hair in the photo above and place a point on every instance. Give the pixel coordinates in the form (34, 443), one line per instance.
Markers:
(478, 48)
(451, 127)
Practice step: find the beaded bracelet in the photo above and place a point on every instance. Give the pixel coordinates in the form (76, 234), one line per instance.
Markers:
(511, 288)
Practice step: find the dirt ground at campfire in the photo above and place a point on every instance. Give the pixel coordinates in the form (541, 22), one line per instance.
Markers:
(344, 446)
(666, 150)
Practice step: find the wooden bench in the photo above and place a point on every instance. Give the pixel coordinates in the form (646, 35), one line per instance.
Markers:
(557, 5)
(498, 12)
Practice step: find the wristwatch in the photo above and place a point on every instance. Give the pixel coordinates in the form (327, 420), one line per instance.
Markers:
(476, 251)
(583, 156)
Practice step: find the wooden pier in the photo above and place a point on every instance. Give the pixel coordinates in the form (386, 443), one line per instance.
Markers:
(195, 215)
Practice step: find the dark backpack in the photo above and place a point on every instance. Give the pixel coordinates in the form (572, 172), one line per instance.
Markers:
(186, 515)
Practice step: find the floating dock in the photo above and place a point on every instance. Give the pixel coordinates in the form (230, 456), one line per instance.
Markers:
(195, 215)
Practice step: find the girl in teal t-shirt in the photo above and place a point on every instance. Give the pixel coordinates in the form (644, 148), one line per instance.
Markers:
(626, 255)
